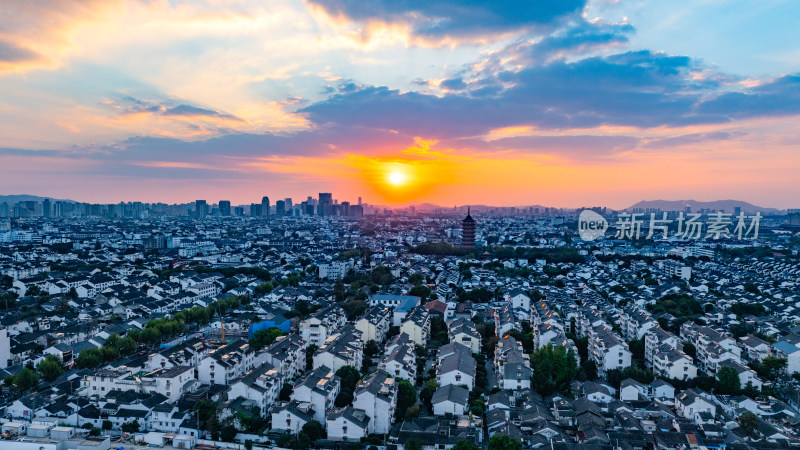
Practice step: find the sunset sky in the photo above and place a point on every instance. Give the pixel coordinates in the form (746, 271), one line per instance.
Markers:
(561, 103)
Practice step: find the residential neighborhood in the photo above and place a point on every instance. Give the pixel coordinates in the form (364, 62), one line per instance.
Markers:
(385, 332)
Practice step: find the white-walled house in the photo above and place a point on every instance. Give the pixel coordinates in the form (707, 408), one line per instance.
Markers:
(347, 424)
(375, 324)
(290, 416)
(318, 388)
(690, 402)
(376, 395)
(450, 399)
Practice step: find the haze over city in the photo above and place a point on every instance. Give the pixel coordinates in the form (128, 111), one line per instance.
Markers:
(566, 103)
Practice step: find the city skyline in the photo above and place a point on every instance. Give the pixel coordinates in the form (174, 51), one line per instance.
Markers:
(567, 103)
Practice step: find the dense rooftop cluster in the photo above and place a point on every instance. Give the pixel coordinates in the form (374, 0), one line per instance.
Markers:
(386, 332)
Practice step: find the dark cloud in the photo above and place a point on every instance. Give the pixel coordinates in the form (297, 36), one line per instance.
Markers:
(579, 39)
(191, 111)
(780, 97)
(641, 89)
(454, 84)
(165, 107)
(457, 18)
(581, 146)
(690, 139)
(12, 53)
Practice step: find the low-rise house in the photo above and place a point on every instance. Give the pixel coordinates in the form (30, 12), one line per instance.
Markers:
(287, 354)
(316, 328)
(417, 325)
(463, 331)
(690, 402)
(319, 388)
(755, 349)
(226, 363)
(261, 385)
(608, 350)
(457, 368)
(376, 395)
(375, 324)
(347, 424)
(344, 348)
(450, 399)
(789, 352)
(289, 417)
(747, 376)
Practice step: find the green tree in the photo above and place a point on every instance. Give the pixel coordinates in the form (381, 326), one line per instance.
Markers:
(504, 442)
(464, 445)
(748, 422)
(420, 291)
(50, 368)
(286, 392)
(131, 427)
(439, 330)
(690, 349)
(371, 349)
(107, 425)
(350, 376)
(89, 358)
(381, 275)
(263, 289)
(406, 397)
(228, 433)
(553, 369)
(426, 394)
(355, 307)
(615, 376)
(310, 356)
(772, 367)
(636, 346)
(728, 381)
(339, 292)
(26, 379)
(412, 444)
(314, 430)
(589, 369)
(264, 338)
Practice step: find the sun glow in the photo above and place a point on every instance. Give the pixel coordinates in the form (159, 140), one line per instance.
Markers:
(397, 178)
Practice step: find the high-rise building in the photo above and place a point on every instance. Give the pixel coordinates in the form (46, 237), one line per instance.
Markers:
(357, 211)
(287, 205)
(325, 203)
(200, 209)
(224, 208)
(264, 206)
(468, 231)
(47, 208)
(255, 209)
(344, 209)
(280, 208)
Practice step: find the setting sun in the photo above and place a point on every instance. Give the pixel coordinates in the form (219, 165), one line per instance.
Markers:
(397, 178)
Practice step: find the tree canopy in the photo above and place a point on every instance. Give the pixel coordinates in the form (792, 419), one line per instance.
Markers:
(554, 368)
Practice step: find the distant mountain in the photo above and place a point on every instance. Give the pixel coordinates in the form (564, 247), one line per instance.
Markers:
(729, 206)
(11, 199)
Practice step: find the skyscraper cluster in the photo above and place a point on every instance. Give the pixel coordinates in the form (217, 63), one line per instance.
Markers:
(323, 206)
